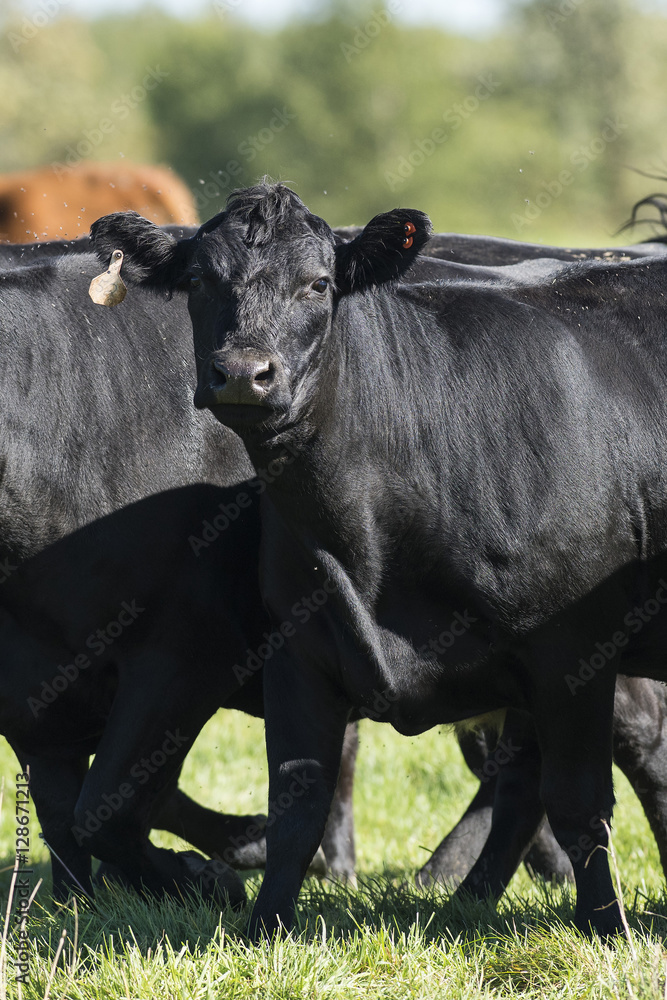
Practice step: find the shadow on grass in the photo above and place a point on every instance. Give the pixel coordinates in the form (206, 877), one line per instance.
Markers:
(389, 903)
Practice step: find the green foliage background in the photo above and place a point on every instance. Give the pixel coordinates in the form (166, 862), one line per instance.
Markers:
(360, 95)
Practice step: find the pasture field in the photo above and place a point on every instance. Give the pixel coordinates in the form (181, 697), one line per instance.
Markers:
(383, 939)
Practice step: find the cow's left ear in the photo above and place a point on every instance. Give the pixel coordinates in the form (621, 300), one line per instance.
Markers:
(152, 257)
(384, 250)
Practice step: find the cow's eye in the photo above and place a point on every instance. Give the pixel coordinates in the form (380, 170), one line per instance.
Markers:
(320, 285)
(195, 281)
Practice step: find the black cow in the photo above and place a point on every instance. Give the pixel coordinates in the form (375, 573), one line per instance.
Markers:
(640, 729)
(54, 788)
(129, 604)
(640, 708)
(640, 745)
(473, 449)
(456, 854)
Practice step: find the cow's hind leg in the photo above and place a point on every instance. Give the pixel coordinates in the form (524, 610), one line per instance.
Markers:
(546, 859)
(456, 854)
(574, 729)
(517, 811)
(338, 840)
(237, 840)
(240, 841)
(640, 748)
(141, 751)
(454, 858)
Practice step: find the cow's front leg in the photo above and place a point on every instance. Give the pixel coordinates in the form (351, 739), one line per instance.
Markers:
(305, 725)
(574, 730)
(55, 786)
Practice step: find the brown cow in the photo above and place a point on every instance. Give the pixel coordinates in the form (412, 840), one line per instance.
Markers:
(47, 204)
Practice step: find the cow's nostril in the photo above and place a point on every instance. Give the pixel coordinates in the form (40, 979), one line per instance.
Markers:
(265, 375)
(222, 370)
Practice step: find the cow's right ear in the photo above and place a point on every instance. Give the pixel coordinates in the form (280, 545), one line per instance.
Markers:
(151, 257)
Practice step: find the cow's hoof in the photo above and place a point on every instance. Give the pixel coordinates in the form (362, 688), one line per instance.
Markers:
(214, 879)
(111, 874)
(546, 859)
(252, 855)
(318, 866)
(427, 878)
(605, 923)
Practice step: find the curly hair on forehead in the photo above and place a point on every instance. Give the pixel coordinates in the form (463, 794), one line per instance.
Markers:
(268, 210)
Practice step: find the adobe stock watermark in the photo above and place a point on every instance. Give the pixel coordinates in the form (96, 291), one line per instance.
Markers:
(503, 753)
(458, 626)
(31, 25)
(7, 567)
(302, 610)
(224, 7)
(222, 181)
(559, 13)
(140, 772)
(97, 642)
(298, 787)
(212, 528)
(365, 33)
(634, 622)
(454, 117)
(121, 109)
(23, 892)
(580, 159)
(585, 844)
(226, 513)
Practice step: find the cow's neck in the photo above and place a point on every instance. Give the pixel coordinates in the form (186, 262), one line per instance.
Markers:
(343, 472)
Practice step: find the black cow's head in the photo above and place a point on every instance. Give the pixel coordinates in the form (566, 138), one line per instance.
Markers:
(262, 278)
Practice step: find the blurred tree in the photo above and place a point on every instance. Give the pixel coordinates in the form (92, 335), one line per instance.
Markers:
(574, 72)
(64, 100)
(358, 111)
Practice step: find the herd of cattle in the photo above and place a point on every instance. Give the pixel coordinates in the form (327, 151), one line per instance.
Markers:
(434, 491)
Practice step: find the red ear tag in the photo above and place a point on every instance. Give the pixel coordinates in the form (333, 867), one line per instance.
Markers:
(408, 228)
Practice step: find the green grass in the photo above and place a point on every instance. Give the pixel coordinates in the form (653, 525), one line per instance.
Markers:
(383, 939)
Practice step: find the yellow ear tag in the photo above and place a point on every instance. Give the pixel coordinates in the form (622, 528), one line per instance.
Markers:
(109, 289)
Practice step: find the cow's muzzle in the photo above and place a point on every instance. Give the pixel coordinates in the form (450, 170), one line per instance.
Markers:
(247, 378)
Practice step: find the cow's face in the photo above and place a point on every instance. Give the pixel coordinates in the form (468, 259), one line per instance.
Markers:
(262, 280)
(261, 300)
